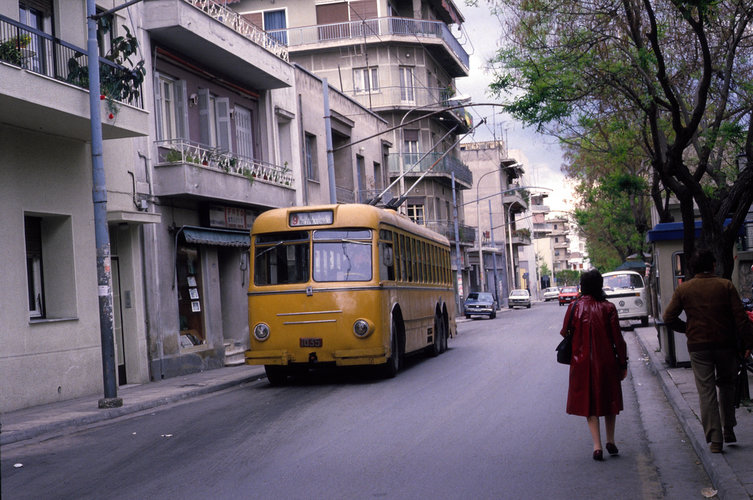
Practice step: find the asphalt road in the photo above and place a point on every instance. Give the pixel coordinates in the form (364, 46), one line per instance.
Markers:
(484, 420)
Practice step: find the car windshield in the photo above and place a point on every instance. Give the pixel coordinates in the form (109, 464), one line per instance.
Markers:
(519, 293)
(617, 281)
(570, 290)
(483, 297)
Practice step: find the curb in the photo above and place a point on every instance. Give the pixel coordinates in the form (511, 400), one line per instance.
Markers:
(101, 415)
(722, 476)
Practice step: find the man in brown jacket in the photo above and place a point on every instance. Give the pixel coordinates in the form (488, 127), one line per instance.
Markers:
(718, 329)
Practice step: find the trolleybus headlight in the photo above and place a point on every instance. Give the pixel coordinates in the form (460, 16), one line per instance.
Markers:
(261, 332)
(638, 302)
(362, 328)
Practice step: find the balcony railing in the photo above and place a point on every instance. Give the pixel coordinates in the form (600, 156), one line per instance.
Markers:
(273, 42)
(186, 152)
(467, 234)
(417, 29)
(46, 55)
(426, 99)
(447, 165)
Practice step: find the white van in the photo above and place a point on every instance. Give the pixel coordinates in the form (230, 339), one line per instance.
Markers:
(626, 290)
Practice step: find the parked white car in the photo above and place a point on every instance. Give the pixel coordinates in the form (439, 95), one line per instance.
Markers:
(519, 298)
(551, 293)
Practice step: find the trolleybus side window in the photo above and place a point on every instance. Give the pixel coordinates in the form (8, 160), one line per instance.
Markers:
(403, 256)
(342, 255)
(281, 258)
(386, 256)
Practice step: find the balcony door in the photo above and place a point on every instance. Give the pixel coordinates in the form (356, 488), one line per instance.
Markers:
(37, 14)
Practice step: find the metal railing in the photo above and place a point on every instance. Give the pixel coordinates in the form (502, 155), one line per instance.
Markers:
(467, 234)
(273, 42)
(382, 26)
(182, 151)
(446, 165)
(423, 98)
(46, 55)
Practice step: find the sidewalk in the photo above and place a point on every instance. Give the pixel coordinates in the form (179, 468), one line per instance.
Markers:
(731, 471)
(38, 420)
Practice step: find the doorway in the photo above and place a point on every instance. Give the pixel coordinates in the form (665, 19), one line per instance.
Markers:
(117, 310)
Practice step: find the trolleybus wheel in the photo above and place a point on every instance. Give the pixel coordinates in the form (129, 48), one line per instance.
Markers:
(444, 334)
(436, 347)
(392, 366)
(276, 375)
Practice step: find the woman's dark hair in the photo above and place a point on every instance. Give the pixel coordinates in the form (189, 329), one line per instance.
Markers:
(592, 283)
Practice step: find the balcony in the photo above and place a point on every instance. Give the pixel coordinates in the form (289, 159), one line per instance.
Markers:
(467, 234)
(219, 39)
(444, 168)
(515, 202)
(45, 87)
(422, 100)
(188, 169)
(521, 237)
(435, 36)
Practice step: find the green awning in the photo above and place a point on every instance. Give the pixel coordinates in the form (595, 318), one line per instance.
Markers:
(217, 237)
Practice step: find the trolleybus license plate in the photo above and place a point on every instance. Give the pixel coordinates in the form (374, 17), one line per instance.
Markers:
(311, 342)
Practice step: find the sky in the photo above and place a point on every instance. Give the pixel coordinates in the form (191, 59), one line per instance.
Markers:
(540, 154)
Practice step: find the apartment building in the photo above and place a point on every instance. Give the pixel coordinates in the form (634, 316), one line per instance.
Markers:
(398, 59)
(223, 127)
(491, 207)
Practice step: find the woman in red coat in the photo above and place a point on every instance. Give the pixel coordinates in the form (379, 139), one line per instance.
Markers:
(599, 361)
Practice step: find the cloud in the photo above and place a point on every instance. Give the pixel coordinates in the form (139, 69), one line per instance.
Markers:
(543, 154)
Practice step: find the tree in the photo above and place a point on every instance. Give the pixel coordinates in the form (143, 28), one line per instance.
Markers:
(567, 277)
(678, 73)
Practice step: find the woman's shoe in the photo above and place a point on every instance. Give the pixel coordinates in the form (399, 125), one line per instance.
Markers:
(612, 449)
(598, 455)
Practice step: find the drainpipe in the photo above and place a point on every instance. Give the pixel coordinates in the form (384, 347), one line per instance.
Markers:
(330, 151)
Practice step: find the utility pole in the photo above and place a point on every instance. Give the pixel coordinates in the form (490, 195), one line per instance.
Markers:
(102, 236)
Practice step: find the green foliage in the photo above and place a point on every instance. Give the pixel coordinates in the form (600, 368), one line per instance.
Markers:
(659, 90)
(117, 83)
(567, 277)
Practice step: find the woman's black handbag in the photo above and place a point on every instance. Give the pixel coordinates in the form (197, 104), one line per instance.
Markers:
(565, 348)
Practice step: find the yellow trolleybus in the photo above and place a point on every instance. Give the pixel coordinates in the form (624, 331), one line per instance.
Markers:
(346, 284)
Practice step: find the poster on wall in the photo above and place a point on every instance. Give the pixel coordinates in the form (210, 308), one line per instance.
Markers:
(191, 281)
(194, 293)
(195, 306)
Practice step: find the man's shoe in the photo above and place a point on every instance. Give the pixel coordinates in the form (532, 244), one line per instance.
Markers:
(715, 447)
(729, 436)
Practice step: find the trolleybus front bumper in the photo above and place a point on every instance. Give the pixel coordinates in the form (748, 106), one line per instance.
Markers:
(349, 357)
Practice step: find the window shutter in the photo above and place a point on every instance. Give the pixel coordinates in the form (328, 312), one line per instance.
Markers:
(222, 108)
(204, 123)
(366, 9)
(158, 106)
(256, 19)
(181, 110)
(243, 132)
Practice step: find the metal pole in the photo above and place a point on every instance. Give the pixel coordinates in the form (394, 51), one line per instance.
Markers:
(459, 278)
(512, 257)
(102, 237)
(330, 151)
(494, 253)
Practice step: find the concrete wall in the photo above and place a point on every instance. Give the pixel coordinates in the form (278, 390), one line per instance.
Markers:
(58, 357)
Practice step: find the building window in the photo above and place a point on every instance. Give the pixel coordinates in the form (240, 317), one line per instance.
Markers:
(171, 107)
(312, 171)
(244, 132)
(49, 266)
(34, 266)
(276, 20)
(416, 213)
(365, 80)
(407, 93)
(214, 120)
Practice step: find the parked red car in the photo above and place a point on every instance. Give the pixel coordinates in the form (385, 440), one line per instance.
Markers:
(568, 294)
